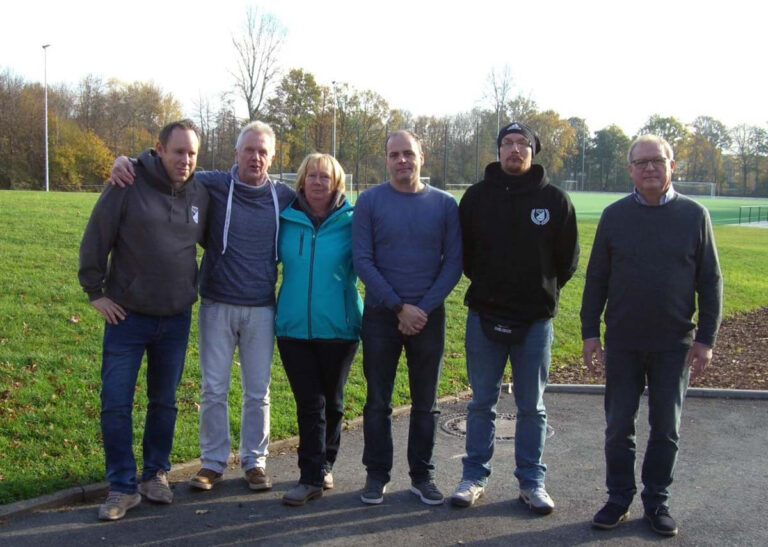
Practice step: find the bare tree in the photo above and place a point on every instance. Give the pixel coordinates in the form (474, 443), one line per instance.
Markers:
(257, 49)
(498, 89)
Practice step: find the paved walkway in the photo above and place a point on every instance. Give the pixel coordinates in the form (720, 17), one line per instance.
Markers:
(718, 495)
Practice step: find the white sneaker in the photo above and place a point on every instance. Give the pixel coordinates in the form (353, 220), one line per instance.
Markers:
(537, 500)
(466, 493)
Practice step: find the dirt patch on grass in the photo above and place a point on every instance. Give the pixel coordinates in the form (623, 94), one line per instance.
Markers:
(740, 358)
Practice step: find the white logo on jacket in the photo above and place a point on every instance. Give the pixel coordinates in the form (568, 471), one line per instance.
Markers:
(540, 216)
(194, 213)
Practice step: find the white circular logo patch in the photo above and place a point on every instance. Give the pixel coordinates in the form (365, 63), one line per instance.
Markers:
(540, 216)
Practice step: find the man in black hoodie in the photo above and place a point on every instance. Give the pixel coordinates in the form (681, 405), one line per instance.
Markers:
(520, 248)
(138, 266)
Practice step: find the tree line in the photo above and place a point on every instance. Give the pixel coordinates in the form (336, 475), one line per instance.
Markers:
(92, 122)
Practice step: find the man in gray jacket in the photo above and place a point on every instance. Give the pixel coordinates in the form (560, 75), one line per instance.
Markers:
(237, 289)
(654, 255)
(138, 266)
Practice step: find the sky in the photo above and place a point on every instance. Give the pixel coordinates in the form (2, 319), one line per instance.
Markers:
(610, 62)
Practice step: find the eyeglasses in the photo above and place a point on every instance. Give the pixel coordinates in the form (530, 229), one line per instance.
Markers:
(518, 144)
(655, 162)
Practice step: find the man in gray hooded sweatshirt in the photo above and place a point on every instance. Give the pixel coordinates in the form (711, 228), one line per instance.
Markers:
(138, 266)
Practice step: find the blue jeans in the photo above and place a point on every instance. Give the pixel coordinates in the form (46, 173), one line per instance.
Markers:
(165, 341)
(382, 345)
(486, 361)
(317, 371)
(625, 378)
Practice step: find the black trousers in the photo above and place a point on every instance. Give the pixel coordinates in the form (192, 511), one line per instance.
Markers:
(317, 371)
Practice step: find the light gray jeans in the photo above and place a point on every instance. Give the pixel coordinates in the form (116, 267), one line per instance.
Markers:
(222, 327)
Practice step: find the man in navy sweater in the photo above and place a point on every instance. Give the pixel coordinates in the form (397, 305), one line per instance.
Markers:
(407, 251)
(654, 254)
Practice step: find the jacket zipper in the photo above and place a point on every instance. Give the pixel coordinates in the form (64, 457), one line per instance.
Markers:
(309, 296)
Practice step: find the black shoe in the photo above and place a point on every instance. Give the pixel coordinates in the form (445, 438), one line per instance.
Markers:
(610, 516)
(661, 521)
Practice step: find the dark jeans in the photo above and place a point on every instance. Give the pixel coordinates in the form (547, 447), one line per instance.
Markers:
(165, 341)
(382, 345)
(317, 371)
(626, 373)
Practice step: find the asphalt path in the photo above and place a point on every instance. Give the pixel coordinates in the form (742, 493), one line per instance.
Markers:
(717, 497)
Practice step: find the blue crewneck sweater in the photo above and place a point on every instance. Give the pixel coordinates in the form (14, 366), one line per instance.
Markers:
(406, 246)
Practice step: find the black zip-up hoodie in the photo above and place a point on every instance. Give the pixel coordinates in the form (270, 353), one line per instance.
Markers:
(520, 244)
(139, 247)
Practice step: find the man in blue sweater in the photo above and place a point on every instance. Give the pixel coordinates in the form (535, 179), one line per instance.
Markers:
(654, 254)
(237, 289)
(407, 251)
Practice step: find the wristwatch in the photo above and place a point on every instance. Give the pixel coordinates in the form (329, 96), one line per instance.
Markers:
(397, 308)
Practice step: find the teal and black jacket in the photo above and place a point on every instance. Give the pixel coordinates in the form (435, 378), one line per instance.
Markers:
(318, 297)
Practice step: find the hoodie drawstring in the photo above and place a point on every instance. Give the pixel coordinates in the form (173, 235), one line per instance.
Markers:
(228, 216)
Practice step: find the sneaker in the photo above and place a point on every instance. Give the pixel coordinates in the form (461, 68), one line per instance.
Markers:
(157, 488)
(661, 521)
(427, 492)
(116, 504)
(301, 494)
(537, 500)
(327, 481)
(466, 493)
(610, 516)
(373, 493)
(257, 479)
(205, 479)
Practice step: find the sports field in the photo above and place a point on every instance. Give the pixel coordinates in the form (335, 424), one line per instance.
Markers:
(722, 210)
(50, 341)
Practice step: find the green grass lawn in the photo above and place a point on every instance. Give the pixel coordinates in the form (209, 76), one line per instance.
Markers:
(50, 344)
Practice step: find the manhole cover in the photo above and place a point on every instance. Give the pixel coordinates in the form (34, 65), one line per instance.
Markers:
(456, 425)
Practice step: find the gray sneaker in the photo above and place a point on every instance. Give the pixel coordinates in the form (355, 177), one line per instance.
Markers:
(301, 494)
(373, 493)
(157, 488)
(116, 504)
(427, 492)
(466, 493)
(537, 500)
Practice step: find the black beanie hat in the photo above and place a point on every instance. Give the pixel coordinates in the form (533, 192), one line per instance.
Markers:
(518, 127)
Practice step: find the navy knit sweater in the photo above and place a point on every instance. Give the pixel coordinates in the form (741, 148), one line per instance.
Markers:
(650, 264)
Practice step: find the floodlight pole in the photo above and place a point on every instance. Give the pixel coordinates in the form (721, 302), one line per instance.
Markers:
(583, 150)
(333, 132)
(45, 108)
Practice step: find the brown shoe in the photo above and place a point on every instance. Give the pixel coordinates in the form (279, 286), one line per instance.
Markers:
(205, 479)
(327, 481)
(257, 479)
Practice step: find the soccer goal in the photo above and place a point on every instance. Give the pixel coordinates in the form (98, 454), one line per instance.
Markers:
(290, 178)
(692, 188)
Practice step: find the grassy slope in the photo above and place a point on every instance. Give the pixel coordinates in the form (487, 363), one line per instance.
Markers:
(50, 344)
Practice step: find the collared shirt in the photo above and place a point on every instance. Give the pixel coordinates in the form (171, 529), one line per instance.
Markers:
(666, 197)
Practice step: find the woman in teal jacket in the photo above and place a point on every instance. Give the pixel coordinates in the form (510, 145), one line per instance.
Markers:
(318, 316)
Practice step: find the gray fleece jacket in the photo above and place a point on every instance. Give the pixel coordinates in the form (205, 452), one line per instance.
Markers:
(139, 247)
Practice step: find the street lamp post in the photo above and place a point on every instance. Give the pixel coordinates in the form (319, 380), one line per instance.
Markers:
(45, 107)
(333, 131)
(583, 153)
